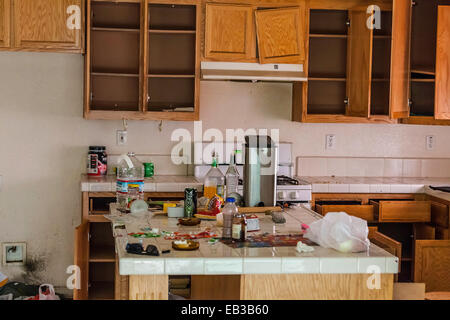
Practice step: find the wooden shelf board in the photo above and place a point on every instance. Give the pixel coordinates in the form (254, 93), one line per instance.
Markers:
(171, 75)
(323, 35)
(382, 37)
(423, 70)
(114, 74)
(172, 31)
(326, 79)
(101, 290)
(422, 80)
(115, 29)
(138, 115)
(102, 254)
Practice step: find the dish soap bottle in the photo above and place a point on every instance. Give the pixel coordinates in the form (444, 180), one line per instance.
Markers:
(214, 181)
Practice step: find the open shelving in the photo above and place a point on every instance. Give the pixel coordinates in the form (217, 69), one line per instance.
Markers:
(142, 68)
(330, 83)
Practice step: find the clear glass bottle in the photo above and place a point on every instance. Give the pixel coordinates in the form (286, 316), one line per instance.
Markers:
(232, 176)
(214, 181)
(130, 181)
(228, 212)
(239, 228)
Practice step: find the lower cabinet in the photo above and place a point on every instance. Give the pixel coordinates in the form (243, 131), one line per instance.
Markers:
(413, 227)
(94, 252)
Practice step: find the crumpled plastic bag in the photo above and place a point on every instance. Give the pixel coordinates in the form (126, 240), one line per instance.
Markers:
(341, 232)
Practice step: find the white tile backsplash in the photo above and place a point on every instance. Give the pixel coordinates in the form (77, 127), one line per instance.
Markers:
(372, 167)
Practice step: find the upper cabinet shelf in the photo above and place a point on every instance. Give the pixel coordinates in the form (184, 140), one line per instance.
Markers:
(142, 60)
(42, 25)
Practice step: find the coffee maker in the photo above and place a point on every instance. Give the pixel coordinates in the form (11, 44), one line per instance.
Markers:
(260, 171)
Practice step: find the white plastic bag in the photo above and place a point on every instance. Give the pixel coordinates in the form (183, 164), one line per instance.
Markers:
(50, 296)
(340, 231)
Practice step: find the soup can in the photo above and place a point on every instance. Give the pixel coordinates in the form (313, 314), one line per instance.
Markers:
(190, 202)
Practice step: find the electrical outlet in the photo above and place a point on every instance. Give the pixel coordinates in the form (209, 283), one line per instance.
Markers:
(122, 137)
(430, 140)
(330, 142)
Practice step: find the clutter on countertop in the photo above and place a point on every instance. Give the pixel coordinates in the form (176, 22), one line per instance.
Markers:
(277, 217)
(302, 247)
(21, 291)
(341, 232)
(97, 162)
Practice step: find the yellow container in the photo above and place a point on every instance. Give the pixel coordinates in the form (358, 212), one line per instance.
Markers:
(168, 205)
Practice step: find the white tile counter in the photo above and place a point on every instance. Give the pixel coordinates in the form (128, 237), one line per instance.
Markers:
(374, 184)
(220, 259)
(153, 184)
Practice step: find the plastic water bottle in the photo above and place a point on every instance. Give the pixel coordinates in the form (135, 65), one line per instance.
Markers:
(130, 181)
(228, 212)
(214, 181)
(232, 177)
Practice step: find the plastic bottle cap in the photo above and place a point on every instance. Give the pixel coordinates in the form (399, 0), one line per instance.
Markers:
(231, 200)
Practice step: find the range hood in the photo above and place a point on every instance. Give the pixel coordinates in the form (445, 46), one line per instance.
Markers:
(252, 71)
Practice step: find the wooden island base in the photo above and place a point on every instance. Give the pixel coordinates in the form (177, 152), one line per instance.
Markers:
(267, 287)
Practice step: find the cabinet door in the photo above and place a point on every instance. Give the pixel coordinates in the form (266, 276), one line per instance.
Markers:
(81, 260)
(5, 14)
(431, 261)
(42, 25)
(442, 105)
(359, 65)
(229, 32)
(400, 59)
(281, 34)
(390, 245)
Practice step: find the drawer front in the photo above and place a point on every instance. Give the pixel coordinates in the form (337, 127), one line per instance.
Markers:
(402, 211)
(365, 212)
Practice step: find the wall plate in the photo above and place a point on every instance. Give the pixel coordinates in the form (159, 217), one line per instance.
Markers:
(14, 253)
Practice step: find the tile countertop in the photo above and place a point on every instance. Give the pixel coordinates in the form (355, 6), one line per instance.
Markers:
(373, 184)
(221, 259)
(153, 184)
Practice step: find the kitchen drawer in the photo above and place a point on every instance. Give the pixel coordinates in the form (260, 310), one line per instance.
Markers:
(401, 211)
(365, 212)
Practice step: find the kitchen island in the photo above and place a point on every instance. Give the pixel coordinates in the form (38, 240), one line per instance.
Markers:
(219, 271)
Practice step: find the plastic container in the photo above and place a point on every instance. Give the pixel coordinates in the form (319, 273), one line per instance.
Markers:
(228, 213)
(175, 212)
(130, 181)
(214, 181)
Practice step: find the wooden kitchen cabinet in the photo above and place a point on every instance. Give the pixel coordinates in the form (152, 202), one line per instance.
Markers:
(5, 23)
(142, 60)
(41, 25)
(281, 35)
(229, 32)
(429, 84)
(432, 258)
(354, 73)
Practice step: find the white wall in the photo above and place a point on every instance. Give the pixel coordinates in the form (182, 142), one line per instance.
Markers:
(44, 139)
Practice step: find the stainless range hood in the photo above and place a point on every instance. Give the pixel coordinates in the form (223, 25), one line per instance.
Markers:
(252, 71)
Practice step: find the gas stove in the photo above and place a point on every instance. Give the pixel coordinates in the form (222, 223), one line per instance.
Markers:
(291, 190)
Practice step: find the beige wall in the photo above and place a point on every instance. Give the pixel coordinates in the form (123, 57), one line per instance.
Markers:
(44, 141)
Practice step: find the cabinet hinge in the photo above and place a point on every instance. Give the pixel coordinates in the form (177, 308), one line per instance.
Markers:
(347, 23)
(346, 101)
(410, 103)
(413, 3)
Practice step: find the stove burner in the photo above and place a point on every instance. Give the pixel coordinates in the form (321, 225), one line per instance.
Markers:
(285, 180)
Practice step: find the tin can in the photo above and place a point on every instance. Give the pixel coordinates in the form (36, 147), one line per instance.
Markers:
(190, 202)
